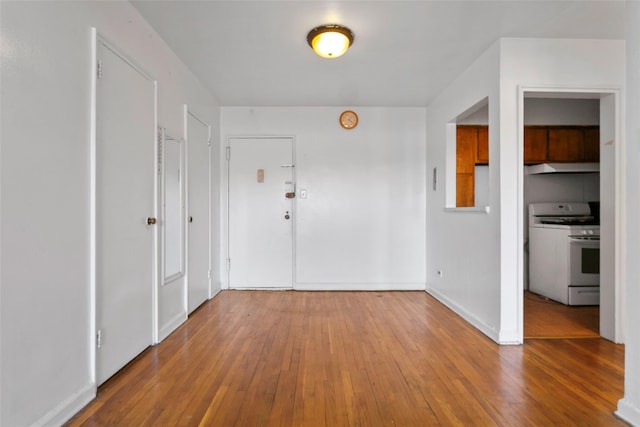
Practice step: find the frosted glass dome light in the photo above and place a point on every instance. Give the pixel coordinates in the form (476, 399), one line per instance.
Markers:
(330, 41)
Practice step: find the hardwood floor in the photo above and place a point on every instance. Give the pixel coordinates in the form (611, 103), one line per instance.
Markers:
(547, 319)
(355, 359)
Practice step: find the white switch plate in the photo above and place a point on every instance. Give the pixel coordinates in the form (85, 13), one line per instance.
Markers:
(303, 193)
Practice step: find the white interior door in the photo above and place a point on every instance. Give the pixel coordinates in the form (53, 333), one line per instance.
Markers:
(198, 207)
(125, 137)
(260, 215)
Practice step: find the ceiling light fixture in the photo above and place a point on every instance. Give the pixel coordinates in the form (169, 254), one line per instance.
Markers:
(330, 41)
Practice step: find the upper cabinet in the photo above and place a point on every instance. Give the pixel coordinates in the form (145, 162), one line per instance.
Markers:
(472, 148)
(482, 148)
(561, 144)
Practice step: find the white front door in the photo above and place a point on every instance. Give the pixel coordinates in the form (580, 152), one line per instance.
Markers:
(198, 208)
(125, 138)
(261, 173)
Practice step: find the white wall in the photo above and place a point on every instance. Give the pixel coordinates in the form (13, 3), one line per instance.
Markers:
(629, 406)
(479, 254)
(463, 243)
(561, 111)
(46, 367)
(579, 65)
(362, 225)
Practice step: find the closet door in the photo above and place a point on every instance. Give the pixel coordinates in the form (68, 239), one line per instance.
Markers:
(125, 138)
(198, 193)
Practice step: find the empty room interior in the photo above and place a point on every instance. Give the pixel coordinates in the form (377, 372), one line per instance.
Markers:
(319, 213)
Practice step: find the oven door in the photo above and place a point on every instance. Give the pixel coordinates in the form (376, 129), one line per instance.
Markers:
(584, 260)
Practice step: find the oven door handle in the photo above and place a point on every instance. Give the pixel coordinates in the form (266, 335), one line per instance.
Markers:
(584, 238)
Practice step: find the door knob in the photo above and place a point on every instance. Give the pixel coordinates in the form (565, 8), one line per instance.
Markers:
(190, 219)
(286, 216)
(151, 220)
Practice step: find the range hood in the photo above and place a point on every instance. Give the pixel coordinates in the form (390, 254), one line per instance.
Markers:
(562, 168)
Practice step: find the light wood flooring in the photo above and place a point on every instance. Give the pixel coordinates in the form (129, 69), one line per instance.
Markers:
(355, 359)
(544, 318)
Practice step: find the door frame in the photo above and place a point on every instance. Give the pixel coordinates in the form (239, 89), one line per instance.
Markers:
(619, 208)
(189, 112)
(96, 39)
(224, 243)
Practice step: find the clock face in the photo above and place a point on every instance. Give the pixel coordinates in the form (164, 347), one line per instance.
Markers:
(348, 119)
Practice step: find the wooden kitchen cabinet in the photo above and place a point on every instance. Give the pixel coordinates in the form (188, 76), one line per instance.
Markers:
(482, 149)
(591, 145)
(563, 144)
(466, 147)
(465, 190)
(535, 144)
(472, 148)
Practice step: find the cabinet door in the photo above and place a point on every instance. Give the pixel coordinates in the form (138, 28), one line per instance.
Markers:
(482, 153)
(591, 145)
(565, 145)
(466, 147)
(466, 137)
(465, 190)
(535, 145)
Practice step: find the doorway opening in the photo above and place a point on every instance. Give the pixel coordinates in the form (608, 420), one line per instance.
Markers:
(561, 123)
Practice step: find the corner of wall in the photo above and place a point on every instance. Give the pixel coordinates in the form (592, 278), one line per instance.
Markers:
(628, 412)
(67, 408)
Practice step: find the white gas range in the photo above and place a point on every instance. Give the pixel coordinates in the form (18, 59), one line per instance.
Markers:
(564, 252)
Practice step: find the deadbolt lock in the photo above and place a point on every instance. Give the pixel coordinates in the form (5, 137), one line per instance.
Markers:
(151, 220)
(290, 195)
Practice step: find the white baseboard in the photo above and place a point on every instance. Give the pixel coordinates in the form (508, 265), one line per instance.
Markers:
(473, 320)
(171, 326)
(359, 286)
(628, 412)
(68, 407)
(216, 287)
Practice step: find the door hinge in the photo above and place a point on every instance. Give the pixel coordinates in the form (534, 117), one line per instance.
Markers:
(209, 274)
(228, 265)
(99, 69)
(228, 153)
(99, 338)
(209, 142)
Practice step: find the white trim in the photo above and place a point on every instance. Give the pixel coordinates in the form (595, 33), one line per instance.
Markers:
(66, 409)
(621, 219)
(628, 412)
(171, 326)
(486, 329)
(471, 209)
(217, 291)
(358, 286)
(92, 208)
(620, 200)
(156, 274)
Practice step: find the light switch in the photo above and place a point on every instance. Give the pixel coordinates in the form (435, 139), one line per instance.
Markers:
(303, 193)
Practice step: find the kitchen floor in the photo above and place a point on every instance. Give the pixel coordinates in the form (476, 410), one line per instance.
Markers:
(545, 318)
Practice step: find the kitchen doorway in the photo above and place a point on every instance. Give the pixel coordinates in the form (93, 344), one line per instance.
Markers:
(579, 108)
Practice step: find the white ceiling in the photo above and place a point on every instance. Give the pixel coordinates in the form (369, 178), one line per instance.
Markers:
(255, 53)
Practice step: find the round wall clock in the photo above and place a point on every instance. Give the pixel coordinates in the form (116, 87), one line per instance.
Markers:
(348, 119)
